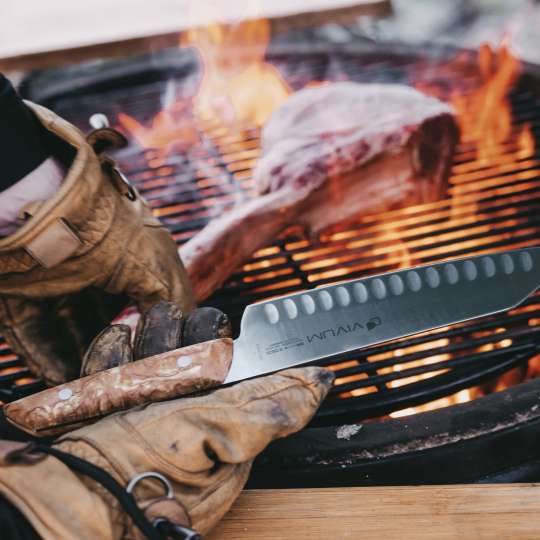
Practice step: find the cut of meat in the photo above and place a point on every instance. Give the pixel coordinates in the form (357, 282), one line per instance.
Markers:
(329, 130)
(329, 155)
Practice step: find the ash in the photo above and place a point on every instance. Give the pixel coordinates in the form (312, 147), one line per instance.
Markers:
(347, 431)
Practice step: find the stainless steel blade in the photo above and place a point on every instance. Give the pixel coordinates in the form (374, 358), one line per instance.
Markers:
(308, 326)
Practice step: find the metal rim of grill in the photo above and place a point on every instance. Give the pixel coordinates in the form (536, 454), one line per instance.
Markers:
(496, 206)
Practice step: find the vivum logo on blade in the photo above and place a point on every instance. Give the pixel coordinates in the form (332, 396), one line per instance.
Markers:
(336, 332)
(345, 329)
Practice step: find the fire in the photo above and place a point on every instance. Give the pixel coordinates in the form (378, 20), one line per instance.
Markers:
(459, 397)
(485, 119)
(238, 86)
(238, 89)
(485, 115)
(170, 130)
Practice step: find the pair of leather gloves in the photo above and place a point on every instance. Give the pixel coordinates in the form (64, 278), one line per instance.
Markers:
(97, 237)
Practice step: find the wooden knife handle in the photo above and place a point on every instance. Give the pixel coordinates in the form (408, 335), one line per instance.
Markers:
(157, 378)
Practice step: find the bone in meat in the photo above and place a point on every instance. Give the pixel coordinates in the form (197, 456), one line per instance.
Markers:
(329, 155)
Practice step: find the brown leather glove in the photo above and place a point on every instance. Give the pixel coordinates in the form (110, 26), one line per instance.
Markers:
(202, 446)
(162, 328)
(95, 236)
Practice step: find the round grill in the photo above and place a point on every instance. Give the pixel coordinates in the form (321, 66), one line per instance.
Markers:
(493, 204)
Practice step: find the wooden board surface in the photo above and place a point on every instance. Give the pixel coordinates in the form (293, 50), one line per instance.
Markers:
(472, 512)
(31, 27)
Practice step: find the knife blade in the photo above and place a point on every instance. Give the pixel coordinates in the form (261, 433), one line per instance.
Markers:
(304, 327)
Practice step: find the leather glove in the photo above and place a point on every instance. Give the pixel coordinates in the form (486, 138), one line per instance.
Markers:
(161, 328)
(95, 237)
(202, 447)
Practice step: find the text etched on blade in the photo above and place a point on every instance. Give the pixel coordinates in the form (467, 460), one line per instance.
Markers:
(334, 332)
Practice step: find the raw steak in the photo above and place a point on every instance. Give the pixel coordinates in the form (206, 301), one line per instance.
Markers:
(329, 155)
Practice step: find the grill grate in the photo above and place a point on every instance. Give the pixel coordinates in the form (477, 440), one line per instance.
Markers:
(493, 204)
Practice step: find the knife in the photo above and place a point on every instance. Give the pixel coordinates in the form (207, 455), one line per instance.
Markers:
(305, 327)
(296, 329)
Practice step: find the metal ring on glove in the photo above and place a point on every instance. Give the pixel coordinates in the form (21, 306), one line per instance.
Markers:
(151, 474)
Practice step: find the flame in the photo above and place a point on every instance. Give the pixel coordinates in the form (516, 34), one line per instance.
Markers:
(534, 367)
(238, 85)
(485, 115)
(525, 143)
(459, 397)
(485, 119)
(238, 89)
(169, 131)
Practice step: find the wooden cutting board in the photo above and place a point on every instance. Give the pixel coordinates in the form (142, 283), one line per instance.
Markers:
(460, 512)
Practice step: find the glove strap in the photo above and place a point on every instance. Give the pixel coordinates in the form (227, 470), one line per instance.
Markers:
(159, 530)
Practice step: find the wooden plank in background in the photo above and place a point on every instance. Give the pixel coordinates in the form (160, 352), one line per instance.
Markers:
(56, 31)
(457, 512)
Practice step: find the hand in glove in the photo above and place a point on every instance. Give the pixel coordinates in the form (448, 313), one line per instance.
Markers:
(202, 446)
(95, 236)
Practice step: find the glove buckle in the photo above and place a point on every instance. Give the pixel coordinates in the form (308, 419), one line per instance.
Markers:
(119, 180)
(129, 192)
(164, 526)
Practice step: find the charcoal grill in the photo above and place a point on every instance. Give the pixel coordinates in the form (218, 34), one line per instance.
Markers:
(492, 205)
(497, 208)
